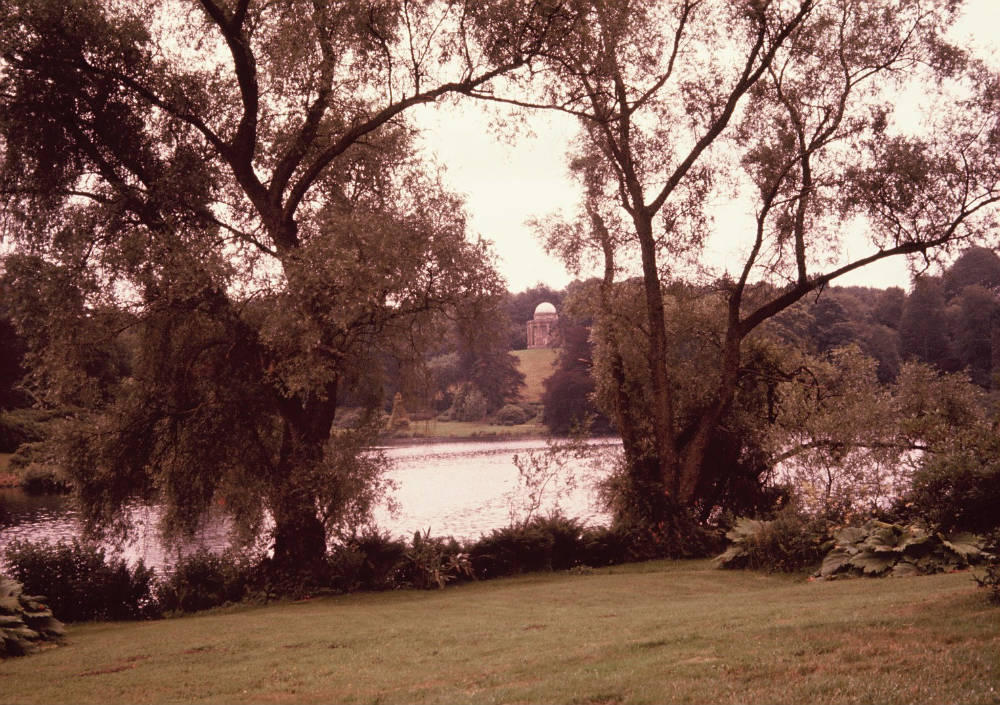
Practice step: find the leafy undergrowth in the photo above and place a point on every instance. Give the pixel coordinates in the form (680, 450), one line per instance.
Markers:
(642, 633)
(878, 548)
(26, 622)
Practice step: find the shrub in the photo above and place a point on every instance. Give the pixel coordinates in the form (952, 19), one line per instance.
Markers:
(567, 539)
(511, 550)
(81, 582)
(20, 427)
(990, 580)
(788, 543)
(433, 562)
(512, 415)
(543, 543)
(470, 404)
(370, 561)
(38, 471)
(878, 548)
(959, 490)
(25, 622)
(606, 545)
(204, 580)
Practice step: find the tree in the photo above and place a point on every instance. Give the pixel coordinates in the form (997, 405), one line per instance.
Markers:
(235, 182)
(976, 266)
(923, 327)
(673, 97)
(977, 333)
(568, 396)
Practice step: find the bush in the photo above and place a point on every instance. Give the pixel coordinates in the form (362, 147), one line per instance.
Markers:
(878, 548)
(470, 404)
(543, 543)
(512, 415)
(990, 580)
(81, 582)
(786, 544)
(204, 580)
(511, 550)
(38, 471)
(959, 490)
(25, 622)
(606, 545)
(433, 562)
(370, 561)
(20, 427)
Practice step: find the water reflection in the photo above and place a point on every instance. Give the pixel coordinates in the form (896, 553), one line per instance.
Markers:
(458, 489)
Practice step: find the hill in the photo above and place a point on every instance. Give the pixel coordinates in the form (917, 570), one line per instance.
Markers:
(536, 365)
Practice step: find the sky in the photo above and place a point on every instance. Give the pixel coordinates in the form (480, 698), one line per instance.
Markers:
(508, 183)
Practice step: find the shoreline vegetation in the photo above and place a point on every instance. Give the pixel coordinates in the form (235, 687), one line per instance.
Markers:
(8, 479)
(661, 631)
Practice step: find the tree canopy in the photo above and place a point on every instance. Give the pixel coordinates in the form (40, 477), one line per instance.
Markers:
(221, 220)
(790, 105)
(236, 183)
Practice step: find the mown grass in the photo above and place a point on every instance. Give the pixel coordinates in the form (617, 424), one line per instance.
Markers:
(537, 366)
(433, 428)
(657, 632)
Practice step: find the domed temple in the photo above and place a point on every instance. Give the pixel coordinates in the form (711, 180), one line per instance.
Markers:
(542, 327)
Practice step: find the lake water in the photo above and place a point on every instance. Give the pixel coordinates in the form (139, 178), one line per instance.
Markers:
(459, 489)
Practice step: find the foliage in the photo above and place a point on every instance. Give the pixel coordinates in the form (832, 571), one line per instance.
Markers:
(203, 580)
(470, 404)
(367, 561)
(990, 579)
(19, 427)
(512, 550)
(877, 548)
(200, 291)
(512, 415)
(734, 470)
(792, 112)
(81, 581)
(957, 485)
(976, 266)
(433, 562)
(569, 390)
(26, 623)
(398, 419)
(923, 328)
(788, 543)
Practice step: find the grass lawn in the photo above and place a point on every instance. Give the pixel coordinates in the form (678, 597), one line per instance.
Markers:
(537, 366)
(646, 633)
(432, 428)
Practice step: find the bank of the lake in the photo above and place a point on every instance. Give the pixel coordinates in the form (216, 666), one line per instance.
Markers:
(659, 632)
(8, 478)
(453, 488)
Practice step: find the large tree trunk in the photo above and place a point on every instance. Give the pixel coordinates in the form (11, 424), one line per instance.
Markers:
(660, 391)
(299, 533)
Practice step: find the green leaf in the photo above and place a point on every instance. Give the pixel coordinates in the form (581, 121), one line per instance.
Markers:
(904, 569)
(834, 561)
(872, 563)
(850, 534)
(915, 542)
(744, 529)
(966, 545)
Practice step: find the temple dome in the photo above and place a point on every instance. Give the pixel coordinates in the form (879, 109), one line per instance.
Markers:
(544, 309)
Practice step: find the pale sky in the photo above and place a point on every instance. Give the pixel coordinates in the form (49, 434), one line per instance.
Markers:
(506, 184)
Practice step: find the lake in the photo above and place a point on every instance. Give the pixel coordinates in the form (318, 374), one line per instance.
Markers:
(460, 489)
